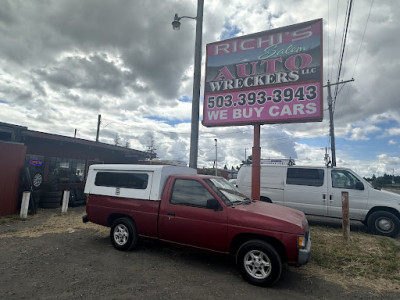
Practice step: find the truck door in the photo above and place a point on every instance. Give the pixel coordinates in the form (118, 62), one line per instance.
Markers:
(345, 181)
(185, 219)
(306, 190)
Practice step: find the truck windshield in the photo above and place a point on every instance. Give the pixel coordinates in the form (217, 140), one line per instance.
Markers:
(228, 192)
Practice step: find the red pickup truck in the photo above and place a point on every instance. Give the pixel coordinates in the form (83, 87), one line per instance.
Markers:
(176, 205)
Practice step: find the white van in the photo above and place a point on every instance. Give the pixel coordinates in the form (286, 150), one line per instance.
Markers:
(317, 191)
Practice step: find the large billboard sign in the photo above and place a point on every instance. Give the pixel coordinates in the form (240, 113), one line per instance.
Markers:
(268, 77)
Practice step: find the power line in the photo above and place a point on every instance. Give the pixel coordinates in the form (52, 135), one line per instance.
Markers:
(362, 39)
(334, 38)
(328, 38)
(347, 21)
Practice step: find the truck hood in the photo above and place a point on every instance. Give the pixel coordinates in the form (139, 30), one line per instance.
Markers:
(384, 196)
(268, 216)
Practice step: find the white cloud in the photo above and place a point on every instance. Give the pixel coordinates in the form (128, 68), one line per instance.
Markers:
(64, 62)
(392, 131)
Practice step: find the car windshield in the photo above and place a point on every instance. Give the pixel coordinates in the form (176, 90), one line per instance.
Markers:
(230, 194)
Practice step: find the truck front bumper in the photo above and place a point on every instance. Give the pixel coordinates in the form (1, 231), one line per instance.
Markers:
(305, 253)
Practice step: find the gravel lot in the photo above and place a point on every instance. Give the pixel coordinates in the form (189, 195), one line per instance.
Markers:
(54, 256)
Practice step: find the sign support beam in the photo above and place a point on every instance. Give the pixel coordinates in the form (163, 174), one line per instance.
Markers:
(256, 165)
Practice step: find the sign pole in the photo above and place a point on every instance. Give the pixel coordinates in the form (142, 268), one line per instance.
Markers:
(256, 165)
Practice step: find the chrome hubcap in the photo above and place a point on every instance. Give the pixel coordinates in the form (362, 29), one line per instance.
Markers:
(121, 234)
(257, 264)
(384, 224)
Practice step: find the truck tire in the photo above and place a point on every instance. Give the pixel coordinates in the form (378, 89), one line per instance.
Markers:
(123, 234)
(384, 223)
(49, 205)
(51, 200)
(259, 263)
(37, 180)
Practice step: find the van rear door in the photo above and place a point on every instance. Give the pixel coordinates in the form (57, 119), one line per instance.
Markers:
(306, 190)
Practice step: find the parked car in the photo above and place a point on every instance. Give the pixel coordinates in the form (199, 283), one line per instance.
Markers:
(317, 191)
(174, 204)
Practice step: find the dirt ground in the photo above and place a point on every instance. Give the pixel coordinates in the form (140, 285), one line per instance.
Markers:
(54, 256)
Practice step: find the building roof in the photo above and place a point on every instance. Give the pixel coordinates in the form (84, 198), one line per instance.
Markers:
(66, 139)
(24, 132)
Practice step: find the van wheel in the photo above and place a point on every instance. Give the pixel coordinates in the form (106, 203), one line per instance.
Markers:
(259, 263)
(384, 223)
(123, 234)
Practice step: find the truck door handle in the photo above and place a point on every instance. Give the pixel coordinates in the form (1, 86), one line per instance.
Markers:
(330, 198)
(323, 196)
(171, 214)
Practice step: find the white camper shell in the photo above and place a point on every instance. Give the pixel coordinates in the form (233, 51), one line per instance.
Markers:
(317, 191)
(131, 181)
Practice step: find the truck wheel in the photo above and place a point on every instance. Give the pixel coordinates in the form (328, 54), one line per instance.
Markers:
(37, 180)
(259, 263)
(384, 223)
(123, 234)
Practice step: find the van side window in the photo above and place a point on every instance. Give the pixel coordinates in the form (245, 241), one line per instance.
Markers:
(190, 192)
(122, 180)
(303, 176)
(343, 179)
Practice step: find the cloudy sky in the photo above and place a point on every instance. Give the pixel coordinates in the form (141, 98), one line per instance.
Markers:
(64, 62)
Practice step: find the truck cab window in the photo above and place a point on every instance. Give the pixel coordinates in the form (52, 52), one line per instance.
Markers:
(190, 192)
(343, 179)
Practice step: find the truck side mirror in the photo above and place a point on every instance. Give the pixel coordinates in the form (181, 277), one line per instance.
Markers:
(213, 204)
(359, 186)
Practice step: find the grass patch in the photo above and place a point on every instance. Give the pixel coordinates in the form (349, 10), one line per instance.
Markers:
(366, 260)
(8, 219)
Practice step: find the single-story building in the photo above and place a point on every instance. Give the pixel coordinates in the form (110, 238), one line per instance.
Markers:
(53, 163)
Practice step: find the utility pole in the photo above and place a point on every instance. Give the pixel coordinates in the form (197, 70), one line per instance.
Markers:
(194, 135)
(331, 125)
(216, 158)
(393, 182)
(98, 128)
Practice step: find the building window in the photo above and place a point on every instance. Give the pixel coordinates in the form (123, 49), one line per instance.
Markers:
(67, 170)
(6, 136)
(122, 180)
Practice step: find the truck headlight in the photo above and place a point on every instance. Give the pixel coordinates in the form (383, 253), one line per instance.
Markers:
(302, 240)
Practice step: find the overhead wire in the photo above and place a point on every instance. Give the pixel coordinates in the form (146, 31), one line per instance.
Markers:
(362, 39)
(343, 47)
(334, 38)
(328, 38)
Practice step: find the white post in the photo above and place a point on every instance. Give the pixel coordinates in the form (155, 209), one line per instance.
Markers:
(25, 205)
(65, 201)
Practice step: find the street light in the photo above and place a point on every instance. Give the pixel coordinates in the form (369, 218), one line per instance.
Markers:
(176, 24)
(194, 135)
